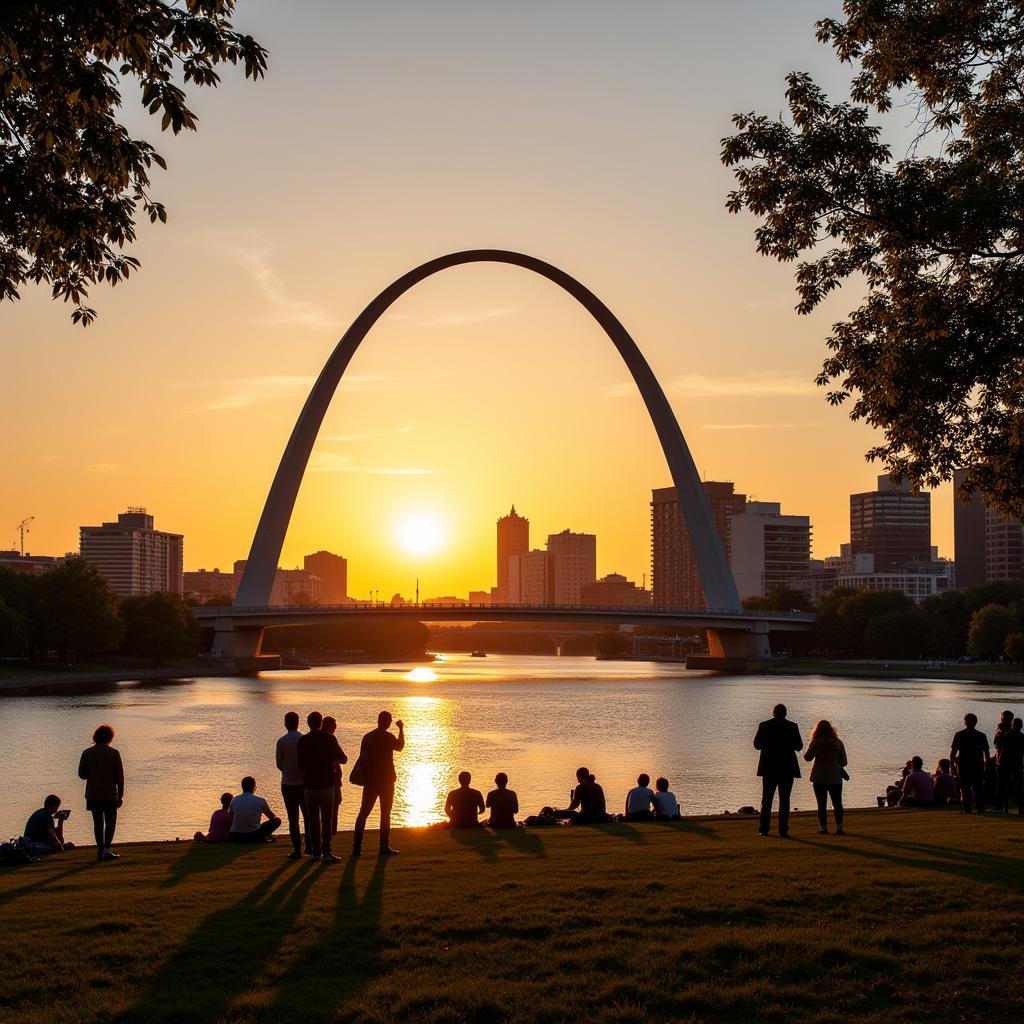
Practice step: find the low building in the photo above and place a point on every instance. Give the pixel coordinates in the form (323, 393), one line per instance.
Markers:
(35, 565)
(332, 571)
(481, 597)
(529, 578)
(203, 585)
(572, 564)
(449, 601)
(614, 591)
(291, 586)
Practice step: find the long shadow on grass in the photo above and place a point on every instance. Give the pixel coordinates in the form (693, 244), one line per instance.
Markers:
(230, 948)
(488, 842)
(685, 825)
(40, 883)
(202, 857)
(620, 830)
(328, 973)
(978, 867)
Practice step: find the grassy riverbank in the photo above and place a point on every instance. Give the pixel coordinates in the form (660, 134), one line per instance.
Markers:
(913, 916)
(894, 669)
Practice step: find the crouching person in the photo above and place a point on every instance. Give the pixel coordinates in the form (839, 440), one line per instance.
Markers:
(44, 830)
(247, 811)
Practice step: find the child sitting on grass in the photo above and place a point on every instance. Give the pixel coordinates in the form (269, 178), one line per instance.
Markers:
(666, 806)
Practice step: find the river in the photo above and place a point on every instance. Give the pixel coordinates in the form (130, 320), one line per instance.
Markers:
(536, 718)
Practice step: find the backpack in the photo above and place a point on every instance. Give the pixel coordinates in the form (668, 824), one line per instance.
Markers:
(15, 852)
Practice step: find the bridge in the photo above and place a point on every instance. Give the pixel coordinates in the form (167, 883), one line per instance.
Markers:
(734, 635)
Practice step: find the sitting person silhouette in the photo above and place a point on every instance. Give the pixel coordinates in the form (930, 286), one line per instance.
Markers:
(918, 789)
(587, 804)
(246, 810)
(220, 823)
(44, 830)
(945, 788)
(503, 803)
(464, 805)
(666, 806)
(640, 800)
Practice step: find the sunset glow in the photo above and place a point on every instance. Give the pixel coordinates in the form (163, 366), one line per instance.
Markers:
(420, 535)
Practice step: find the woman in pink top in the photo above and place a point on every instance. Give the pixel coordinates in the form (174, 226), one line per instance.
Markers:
(220, 823)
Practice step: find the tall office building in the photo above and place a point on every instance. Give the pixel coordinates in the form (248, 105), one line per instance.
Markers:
(135, 558)
(892, 524)
(675, 579)
(332, 571)
(768, 548)
(528, 578)
(572, 565)
(968, 536)
(513, 539)
(1004, 547)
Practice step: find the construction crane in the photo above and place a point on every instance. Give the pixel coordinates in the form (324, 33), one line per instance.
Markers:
(22, 530)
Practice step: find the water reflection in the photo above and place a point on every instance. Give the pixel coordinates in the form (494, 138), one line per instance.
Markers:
(421, 675)
(426, 763)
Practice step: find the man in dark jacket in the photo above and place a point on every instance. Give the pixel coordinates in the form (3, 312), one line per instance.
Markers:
(317, 753)
(377, 761)
(778, 739)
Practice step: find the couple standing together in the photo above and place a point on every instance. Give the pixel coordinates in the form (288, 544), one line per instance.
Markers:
(310, 767)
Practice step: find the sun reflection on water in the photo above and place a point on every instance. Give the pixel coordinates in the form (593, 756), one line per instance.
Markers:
(422, 675)
(428, 756)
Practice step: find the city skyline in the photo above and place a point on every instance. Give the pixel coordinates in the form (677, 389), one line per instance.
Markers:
(417, 428)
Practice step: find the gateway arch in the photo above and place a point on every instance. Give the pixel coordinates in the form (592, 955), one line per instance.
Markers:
(715, 575)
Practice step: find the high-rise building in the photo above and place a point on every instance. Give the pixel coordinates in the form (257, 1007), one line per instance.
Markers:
(529, 580)
(614, 591)
(513, 539)
(332, 571)
(1004, 547)
(135, 558)
(572, 564)
(968, 536)
(892, 524)
(768, 548)
(675, 578)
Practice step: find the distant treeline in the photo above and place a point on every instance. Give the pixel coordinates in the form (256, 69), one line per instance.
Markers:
(985, 622)
(402, 639)
(71, 611)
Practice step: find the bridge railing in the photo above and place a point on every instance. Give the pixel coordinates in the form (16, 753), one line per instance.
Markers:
(386, 606)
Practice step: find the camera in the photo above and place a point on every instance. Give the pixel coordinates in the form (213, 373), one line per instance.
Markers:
(63, 815)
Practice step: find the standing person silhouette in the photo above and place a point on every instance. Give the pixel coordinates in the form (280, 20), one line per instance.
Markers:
(293, 787)
(377, 764)
(828, 753)
(318, 756)
(778, 740)
(1010, 744)
(103, 771)
(969, 753)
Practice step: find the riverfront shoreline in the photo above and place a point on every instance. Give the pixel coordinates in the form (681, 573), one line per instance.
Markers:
(807, 931)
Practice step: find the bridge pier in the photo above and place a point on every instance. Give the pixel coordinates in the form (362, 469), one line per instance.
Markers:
(734, 650)
(241, 647)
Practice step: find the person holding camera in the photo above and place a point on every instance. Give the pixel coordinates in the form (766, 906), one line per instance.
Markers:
(377, 776)
(44, 830)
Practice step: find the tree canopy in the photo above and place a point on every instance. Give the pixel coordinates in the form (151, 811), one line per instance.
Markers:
(71, 175)
(934, 355)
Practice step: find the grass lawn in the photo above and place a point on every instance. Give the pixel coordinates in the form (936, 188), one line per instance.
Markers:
(914, 916)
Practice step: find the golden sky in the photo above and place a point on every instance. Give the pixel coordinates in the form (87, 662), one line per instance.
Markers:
(585, 133)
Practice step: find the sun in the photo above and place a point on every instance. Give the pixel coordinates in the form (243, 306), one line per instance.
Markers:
(420, 535)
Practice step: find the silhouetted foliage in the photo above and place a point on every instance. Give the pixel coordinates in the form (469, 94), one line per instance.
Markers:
(71, 175)
(990, 626)
(14, 631)
(159, 626)
(613, 644)
(901, 633)
(402, 639)
(779, 598)
(934, 354)
(76, 611)
(844, 615)
(1013, 649)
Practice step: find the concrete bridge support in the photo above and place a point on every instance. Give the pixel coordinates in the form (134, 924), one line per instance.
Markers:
(242, 646)
(734, 650)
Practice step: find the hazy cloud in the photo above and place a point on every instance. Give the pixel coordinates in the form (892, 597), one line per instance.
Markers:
(251, 251)
(332, 462)
(103, 467)
(757, 426)
(458, 318)
(351, 438)
(699, 385)
(241, 392)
